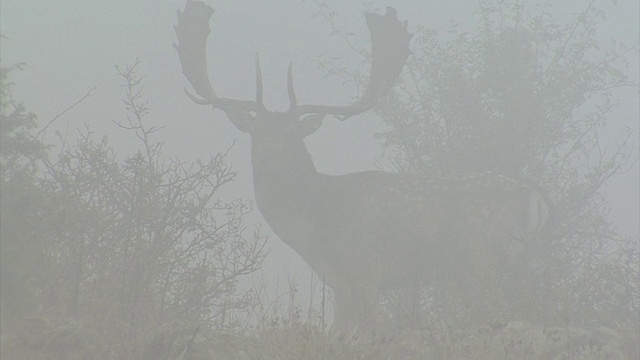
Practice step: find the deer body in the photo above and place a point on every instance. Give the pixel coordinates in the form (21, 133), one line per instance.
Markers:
(370, 231)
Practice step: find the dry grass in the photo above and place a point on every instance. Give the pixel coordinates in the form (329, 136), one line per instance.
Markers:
(43, 338)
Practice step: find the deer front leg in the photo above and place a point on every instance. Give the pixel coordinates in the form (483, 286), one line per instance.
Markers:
(357, 294)
(357, 311)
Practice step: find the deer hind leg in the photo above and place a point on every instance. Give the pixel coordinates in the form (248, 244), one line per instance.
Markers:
(466, 275)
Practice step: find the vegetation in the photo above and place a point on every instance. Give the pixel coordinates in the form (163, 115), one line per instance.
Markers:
(527, 96)
(107, 256)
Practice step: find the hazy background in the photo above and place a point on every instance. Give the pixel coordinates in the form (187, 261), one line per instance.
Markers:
(70, 46)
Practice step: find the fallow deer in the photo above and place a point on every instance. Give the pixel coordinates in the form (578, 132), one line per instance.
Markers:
(369, 231)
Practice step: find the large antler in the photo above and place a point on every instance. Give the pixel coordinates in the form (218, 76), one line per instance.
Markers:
(390, 49)
(192, 31)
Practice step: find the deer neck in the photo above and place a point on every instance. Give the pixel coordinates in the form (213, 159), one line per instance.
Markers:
(288, 192)
(286, 184)
(288, 165)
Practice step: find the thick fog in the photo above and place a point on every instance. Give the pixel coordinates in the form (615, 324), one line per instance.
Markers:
(70, 47)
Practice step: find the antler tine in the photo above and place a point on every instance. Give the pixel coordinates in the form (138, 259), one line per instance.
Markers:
(192, 31)
(390, 50)
(259, 85)
(293, 101)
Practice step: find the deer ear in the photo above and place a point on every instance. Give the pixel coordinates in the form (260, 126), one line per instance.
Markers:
(241, 119)
(310, 123)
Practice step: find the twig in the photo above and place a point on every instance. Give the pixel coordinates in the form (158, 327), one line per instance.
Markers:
(87, 95)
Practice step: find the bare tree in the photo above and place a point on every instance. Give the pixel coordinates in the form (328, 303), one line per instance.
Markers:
(125, 255)
(528, 95)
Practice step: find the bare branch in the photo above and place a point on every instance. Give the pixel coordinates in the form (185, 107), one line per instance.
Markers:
(88, 94)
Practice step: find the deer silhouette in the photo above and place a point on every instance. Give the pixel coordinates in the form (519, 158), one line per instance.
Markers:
(370, 231)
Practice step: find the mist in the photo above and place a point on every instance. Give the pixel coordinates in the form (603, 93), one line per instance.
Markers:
(388, 224)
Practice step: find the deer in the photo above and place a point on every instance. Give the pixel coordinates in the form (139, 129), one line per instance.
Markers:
(371, 231)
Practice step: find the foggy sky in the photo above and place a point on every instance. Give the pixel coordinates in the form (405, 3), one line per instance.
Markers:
(70, 46)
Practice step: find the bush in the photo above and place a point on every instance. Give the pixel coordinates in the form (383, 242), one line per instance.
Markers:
(112, 250)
